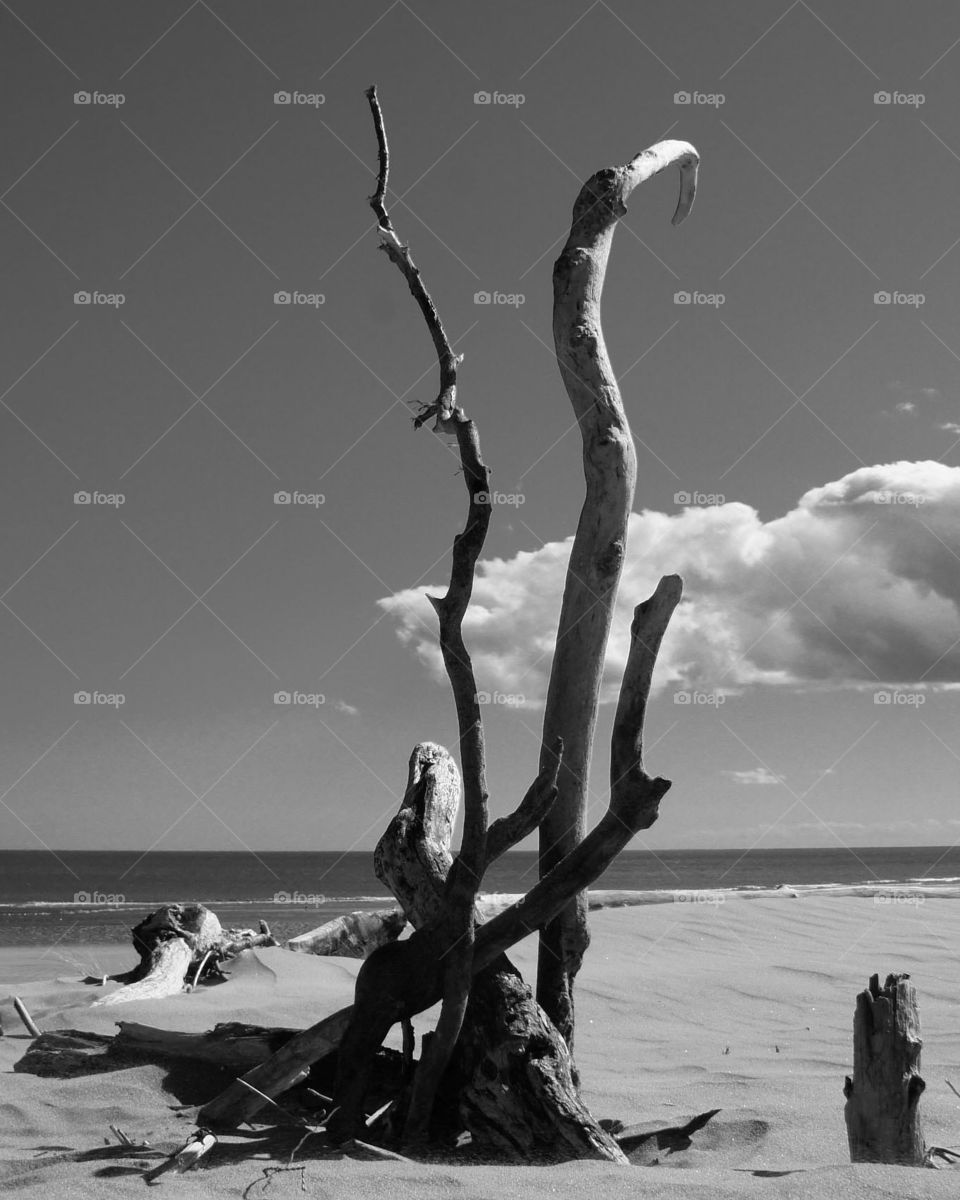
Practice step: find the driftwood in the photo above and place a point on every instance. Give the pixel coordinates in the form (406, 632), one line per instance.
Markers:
(176, 944)
(66, 1052)
(511, 1075)
(882, 1111)
(449, 950)
(453, 931)
(354, 935)
(402, 979)
(599, 547)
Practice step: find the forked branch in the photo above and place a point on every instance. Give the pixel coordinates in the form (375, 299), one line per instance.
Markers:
(463, 882)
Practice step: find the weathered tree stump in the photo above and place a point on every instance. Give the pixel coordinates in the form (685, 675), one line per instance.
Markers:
(173, 942)
(511, 1072)
(882, 1111)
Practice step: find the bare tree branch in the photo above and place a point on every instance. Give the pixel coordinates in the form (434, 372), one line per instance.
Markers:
(403, 978)
(465, 876)
(609, 463)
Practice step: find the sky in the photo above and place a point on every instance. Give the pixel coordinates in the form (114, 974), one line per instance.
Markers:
(789, 360)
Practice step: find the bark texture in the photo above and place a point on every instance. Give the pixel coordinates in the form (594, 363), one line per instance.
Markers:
(510, 1080)
(609, 465)
(354, 935)
(176, 944)
(882, 1111)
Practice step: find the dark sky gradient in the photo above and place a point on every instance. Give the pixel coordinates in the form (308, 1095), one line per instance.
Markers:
(199, 398)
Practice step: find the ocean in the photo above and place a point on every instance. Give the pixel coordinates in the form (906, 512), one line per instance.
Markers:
(83, 897)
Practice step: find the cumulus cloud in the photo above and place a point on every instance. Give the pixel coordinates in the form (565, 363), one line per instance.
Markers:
(858, 584)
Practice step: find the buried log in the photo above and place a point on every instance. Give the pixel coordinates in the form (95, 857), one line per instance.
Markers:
(176, 944)
(354, 935)
(882, 1111)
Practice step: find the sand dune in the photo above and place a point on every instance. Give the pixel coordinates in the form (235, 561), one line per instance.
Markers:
(682, 1007)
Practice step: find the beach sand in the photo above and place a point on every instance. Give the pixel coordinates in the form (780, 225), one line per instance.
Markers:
(744, 1005)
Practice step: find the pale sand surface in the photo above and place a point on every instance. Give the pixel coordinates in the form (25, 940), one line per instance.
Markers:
(666, 989)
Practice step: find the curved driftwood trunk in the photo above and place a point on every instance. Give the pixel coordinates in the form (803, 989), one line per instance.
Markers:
(511, 1072)
(610, 468)
(354, 935)
(168, 942)
(882, 1112)
(175, 943)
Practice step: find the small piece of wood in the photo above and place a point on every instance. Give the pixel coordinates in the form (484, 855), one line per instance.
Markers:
(354, 935)
(882, 1111)
(25, 1017)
